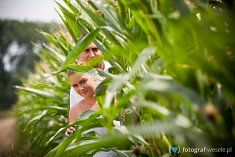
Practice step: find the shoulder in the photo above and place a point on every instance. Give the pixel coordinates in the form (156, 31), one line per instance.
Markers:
(76, 108)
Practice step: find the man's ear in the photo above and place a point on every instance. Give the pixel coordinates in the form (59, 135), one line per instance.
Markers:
(78, 62)
(94, 78)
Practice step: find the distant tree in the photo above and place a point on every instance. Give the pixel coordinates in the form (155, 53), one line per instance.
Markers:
(17, 55)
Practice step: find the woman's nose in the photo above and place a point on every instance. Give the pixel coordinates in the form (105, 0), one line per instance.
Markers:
(81, 88)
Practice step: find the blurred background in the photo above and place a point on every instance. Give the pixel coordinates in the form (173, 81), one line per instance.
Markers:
(19, 22)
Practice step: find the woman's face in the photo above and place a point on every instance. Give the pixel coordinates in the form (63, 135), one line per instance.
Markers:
(91, 52)
(84, 85)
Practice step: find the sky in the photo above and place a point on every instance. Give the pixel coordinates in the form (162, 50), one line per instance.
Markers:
(29, 10)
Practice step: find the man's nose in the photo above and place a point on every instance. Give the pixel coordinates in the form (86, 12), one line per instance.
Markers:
(91, 54)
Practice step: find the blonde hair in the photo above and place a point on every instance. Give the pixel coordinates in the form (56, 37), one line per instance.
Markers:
(71, 73)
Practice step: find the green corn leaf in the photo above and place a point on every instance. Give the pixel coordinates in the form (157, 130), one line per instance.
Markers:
(41, 93)
(72, 7)
(74, 26)
(68, 27)
(143, 57)
(54, 136)
(35, 119)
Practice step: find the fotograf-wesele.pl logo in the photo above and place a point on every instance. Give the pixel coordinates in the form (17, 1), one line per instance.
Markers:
(174, 149)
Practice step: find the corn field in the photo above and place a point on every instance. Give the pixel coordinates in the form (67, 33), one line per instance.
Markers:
(172, 73)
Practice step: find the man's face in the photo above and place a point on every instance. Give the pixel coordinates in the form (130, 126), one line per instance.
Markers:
(91, 52)
(83, 85)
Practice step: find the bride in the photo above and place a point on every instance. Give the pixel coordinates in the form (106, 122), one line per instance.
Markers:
(85, 86)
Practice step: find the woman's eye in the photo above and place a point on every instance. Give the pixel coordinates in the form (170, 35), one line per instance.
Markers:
(83, 81)
(75, 86)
